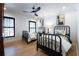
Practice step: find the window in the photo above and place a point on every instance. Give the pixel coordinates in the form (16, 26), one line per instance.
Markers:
(9, 27)
(32, 26)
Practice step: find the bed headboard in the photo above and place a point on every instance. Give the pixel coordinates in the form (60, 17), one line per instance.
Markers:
(66, 28)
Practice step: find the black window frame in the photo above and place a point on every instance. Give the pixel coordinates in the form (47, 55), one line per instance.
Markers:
(9, 27)
(29, 25)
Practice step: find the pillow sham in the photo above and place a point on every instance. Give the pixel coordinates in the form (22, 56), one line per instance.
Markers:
(61, 32)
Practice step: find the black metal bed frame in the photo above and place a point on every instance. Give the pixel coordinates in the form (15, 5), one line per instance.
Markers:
(50, 50)
(66, 28)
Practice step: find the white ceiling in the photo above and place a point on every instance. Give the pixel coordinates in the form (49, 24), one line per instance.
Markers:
(46, 8)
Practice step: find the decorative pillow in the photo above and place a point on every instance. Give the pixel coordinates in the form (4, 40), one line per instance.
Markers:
(51, 31)
(62, 32)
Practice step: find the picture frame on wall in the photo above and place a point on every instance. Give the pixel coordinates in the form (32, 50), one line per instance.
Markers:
(60, 19)
(42, 22)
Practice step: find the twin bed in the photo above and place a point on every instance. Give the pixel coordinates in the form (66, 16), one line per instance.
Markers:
(56, 44)
(28, 37)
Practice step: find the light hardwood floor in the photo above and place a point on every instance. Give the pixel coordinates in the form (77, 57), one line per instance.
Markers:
(21, 48)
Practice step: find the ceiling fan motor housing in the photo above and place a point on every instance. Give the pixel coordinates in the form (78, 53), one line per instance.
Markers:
(33, 8)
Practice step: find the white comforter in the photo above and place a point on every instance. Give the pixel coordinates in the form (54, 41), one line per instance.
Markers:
(32, 36)
(65, 43)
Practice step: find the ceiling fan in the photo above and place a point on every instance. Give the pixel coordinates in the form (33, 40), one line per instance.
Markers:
(34, 10)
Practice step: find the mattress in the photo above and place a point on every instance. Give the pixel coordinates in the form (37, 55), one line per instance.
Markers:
(66, 45)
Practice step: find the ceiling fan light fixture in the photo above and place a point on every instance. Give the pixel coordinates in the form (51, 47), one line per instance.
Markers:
(33, 8)
(4, 8)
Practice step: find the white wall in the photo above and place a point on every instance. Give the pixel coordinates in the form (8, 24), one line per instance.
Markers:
(77, 31)
(21, 23)
(70, 19)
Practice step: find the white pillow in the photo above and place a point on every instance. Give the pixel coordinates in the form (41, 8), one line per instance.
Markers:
(51, 31)
(63, 32)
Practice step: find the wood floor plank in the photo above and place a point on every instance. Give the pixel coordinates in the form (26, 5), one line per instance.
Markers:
(21, 48)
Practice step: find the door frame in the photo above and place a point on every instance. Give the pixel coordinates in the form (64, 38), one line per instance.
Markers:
(1, 36)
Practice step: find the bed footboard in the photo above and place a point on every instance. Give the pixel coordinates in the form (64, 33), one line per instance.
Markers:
(48, 42)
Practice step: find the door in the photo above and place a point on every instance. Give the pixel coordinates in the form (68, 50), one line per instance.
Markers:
(1, 38)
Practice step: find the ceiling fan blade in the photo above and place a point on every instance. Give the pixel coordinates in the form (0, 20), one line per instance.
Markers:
(26, 11)
(38, 8)
(33, 11)
(36, 14)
